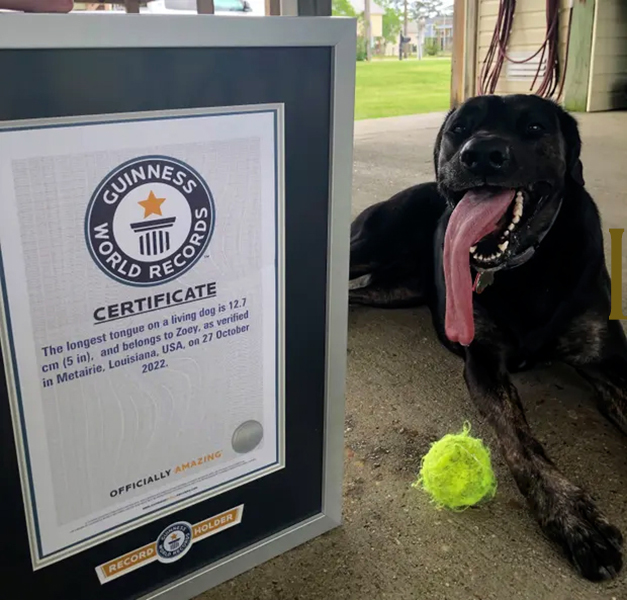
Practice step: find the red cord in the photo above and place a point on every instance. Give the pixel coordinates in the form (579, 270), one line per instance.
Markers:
(553, 79)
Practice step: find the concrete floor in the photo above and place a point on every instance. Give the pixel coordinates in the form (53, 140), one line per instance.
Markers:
(405, 391)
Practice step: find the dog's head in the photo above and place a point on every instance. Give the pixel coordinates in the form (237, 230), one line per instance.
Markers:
(518, 152)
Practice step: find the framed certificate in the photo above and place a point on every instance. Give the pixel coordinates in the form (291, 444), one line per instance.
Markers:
(173, 269)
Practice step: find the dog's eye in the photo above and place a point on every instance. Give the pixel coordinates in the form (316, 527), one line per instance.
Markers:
(535, 128)
(458, 128)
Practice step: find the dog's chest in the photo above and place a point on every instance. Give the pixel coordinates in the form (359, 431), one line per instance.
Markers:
(519, 306)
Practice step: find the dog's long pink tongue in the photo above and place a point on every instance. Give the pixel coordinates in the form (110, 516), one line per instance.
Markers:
(474, 217)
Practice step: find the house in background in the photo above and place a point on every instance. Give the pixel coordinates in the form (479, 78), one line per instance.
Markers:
(440, 29)
(436, 31)
(413, 33)
(376, 20)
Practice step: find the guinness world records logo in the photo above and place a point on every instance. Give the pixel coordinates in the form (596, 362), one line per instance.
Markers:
(174, 542)
(149, 221)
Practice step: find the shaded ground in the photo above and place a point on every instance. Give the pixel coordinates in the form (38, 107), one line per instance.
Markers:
(390, 88)
(405, 391)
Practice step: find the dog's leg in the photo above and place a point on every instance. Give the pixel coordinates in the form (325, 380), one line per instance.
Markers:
(401, 294)
(598, 351)
(608, 377)
(565, 512)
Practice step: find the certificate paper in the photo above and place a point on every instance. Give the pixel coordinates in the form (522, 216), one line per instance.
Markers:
(142, 311)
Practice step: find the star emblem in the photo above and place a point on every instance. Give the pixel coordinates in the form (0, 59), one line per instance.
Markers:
(152, 205)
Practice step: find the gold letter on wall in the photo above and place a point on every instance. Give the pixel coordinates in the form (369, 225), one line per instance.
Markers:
(616, 245)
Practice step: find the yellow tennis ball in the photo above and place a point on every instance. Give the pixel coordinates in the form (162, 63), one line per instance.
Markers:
(457, 472)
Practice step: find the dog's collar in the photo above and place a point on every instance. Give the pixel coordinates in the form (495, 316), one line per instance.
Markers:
(486, 276)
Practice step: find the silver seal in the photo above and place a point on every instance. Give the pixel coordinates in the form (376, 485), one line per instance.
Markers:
(247, 436)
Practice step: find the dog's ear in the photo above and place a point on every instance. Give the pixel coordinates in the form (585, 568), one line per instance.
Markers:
(572, 146)
(438, 140)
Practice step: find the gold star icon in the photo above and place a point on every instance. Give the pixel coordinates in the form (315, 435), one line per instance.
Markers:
(173, 537)
(152, 205)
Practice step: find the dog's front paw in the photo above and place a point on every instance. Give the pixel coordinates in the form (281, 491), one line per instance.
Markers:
(360, 282)
(359, 296)
(591, 543)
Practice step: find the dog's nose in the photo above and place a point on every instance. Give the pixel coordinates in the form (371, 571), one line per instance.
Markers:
(486, 156)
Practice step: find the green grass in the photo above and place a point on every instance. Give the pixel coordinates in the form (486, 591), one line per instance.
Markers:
(388, 88)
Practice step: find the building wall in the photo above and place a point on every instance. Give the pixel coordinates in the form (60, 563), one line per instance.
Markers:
(608, 69)
(392, 49)
(607, 76)
(376, 26)
(528, 34)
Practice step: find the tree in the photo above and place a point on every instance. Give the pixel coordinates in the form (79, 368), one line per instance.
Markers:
(342, 8)
(392, 19)
(392, 24)
(426, 9)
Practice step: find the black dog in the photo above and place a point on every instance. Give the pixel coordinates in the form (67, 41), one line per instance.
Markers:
(509, 214)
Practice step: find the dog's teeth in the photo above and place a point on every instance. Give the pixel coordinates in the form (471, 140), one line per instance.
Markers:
(503, 246)
(506, 233)
(473, 249)
(516, 219)
(511, 227)
(518, 210)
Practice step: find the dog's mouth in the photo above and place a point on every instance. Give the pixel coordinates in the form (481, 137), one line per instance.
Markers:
(483, 228)
(498, 245)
